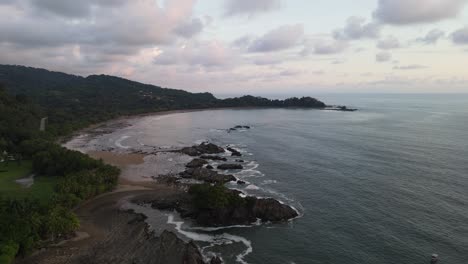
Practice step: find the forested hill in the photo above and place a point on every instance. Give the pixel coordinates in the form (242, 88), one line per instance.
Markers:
(96, 98)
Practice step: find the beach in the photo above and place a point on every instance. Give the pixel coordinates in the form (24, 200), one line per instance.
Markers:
(104, 224)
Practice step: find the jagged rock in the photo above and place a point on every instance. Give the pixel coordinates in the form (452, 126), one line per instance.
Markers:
(242, 127)
(203, 148)
(246, 211)
(272, 210)
(196, 163)
(191, 151)
(210, 157)
(207, 175)
(216, 260)
(241, 182)
(230, 167)
(174, 250)
(209, 167)
(240, 161)
(234, 152)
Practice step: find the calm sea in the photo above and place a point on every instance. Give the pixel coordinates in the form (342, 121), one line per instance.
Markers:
(386, 184)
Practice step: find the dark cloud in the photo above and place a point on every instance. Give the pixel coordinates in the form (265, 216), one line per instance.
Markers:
(357, 28)
(460, 36)
(432, 37)
(400, 12)
(73, 8)
(250, 7)
(281, 38)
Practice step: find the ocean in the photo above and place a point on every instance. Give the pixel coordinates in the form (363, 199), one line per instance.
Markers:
(385, 184)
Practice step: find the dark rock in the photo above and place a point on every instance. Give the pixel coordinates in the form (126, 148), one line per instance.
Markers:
(203, 148)
(196, 163)
(244, 212)
(230, 167)
(173, 250)
(240, 161)
(207, 175)
(210, 157)
(241, 182)
(234, 152)
(216, 260)
(241, 127)
(191, 151)
(209, 167)
(209, 148)
(271, 210)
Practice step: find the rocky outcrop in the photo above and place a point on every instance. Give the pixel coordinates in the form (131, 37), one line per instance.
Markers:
(196, 163)
(211, 157)
(204, 148)
(245, 212)
(230, 167)
(272, 210)
(173, 250)
(129, 241)
(238, 127)
(206, 175)
(234, 152)
(216, 260)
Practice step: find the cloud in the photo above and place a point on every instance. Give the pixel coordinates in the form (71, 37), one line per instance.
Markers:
(190, 28)
(281, 38)
(388, 43)
(401, 12)
(96, 30)
(410, 67)
(432, 37)
(211, 54)
(357, 28)
(329, 47)
(383, 56)
(250, 7)
(460, 36)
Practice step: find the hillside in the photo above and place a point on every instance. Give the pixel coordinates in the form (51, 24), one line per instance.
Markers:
(72, 101)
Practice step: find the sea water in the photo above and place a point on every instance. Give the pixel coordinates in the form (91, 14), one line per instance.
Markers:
(385, 184)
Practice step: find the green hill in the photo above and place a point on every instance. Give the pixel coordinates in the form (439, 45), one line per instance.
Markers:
(72, 101)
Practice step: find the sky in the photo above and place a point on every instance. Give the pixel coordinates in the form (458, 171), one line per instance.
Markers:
(247, 46)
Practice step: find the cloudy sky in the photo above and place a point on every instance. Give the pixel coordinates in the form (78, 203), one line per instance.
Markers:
(247, 46)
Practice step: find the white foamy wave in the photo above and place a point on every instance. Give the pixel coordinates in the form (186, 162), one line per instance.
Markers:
(247, 243)
(223, 239)
(119, 141)
(268, 182)
(191, 235)
(252, 187)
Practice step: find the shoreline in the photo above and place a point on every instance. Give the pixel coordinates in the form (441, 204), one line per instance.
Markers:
(94, 229)
(124, 118)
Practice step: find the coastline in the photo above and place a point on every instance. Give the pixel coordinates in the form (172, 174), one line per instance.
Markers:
(97, 228)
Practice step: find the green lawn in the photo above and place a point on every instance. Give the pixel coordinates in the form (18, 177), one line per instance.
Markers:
(42, 188)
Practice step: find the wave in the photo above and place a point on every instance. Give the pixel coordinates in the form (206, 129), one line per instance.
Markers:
(119, 141)
(213, 240)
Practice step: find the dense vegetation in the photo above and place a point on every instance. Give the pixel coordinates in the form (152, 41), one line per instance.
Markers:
(207, 196)
(73, 102)
(26, 223)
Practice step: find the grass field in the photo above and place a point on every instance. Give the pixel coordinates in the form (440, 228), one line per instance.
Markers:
(42, 188)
